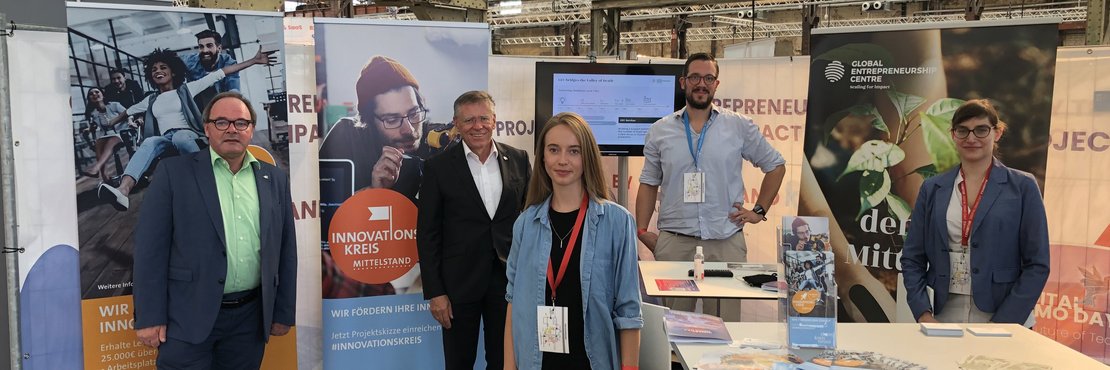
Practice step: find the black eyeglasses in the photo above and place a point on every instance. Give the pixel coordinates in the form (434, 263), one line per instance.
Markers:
(394, 120)
(980, 131)
(223, 124)
(695, 79)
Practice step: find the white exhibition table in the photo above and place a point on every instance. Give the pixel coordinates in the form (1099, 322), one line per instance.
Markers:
(711, 287)
(906, 342)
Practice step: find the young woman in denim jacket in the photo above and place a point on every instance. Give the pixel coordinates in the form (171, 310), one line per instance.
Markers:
(568, 211)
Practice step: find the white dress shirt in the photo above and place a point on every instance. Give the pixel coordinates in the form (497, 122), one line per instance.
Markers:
(959, 255)
(487, 177)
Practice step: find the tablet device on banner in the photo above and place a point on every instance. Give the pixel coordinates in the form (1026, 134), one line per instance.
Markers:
(337, 183)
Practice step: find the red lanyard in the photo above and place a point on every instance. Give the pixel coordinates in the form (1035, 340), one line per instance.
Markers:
(553, 281)
(968, 213)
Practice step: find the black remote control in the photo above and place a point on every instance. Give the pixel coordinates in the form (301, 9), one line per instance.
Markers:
(714, 273)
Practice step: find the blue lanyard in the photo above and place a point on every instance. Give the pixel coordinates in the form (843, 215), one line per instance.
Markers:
(690, 136)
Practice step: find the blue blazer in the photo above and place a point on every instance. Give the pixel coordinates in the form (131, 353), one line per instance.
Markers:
(181, 259)
(1009, 246)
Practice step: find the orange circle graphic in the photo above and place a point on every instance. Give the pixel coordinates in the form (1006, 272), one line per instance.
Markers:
(373, 236)
(805, 300)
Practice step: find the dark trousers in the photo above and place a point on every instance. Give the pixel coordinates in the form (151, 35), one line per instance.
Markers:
(460, 343)
(235, 343)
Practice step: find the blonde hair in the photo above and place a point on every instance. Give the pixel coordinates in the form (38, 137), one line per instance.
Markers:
(593, 177)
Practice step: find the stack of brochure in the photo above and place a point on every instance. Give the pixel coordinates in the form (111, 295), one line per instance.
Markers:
(809, 274)
(941, 330)
(689, 327)
(988, 331)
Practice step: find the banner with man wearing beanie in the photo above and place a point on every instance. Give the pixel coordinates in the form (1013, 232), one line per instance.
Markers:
(383, 109)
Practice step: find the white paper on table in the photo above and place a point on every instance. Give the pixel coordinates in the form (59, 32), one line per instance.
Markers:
(987, 331)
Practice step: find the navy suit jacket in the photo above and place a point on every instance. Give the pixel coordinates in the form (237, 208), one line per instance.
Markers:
(1009, 246)
(181, 258)
(462, 251)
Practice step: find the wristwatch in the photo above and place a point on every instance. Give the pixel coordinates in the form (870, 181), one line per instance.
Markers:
(759, 210)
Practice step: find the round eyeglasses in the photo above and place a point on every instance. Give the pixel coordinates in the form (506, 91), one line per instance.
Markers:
(979, 131)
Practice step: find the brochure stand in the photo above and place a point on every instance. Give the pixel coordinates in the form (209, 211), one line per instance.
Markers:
(810, 301)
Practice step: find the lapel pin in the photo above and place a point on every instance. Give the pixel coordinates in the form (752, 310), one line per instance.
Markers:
(267, 177)
(505, 158)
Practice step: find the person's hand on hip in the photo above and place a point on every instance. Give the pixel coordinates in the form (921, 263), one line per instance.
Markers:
(742, 216)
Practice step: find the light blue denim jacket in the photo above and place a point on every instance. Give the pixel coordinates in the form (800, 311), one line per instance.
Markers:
(610, 281)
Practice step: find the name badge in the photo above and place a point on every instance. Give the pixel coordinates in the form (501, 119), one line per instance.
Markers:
(693, 186)
(960, 267)
(552, 324)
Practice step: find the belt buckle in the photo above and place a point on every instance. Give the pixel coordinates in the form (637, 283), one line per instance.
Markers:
(239, 301)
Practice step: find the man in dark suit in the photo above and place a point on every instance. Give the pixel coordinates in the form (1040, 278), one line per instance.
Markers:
(215, 253)
(469, 198)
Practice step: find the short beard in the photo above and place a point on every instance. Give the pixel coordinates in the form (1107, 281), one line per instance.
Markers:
(211, 64)
(693, 104)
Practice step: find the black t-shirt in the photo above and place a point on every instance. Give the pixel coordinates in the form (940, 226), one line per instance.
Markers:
(569, 293)
(132, 94)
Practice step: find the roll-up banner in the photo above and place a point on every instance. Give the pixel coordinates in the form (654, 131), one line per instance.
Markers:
(374, 311)
(304, 177)
(49, 299)
(115, 53)
(880, 109)
(1073, 308)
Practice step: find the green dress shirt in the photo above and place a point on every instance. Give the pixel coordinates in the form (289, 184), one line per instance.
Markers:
(239, 209)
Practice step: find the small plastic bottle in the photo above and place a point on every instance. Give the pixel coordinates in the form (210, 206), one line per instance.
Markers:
(699, 264)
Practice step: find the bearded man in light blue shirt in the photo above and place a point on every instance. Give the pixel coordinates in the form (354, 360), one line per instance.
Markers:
(692, 164)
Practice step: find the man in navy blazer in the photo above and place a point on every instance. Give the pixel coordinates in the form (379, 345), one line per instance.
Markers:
(1008, 243)
(215, 253)
(469, 198)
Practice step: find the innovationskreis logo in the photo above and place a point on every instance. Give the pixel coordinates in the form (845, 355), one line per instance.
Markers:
(834, 71)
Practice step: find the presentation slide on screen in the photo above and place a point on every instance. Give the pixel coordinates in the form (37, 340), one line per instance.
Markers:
(619, 108)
